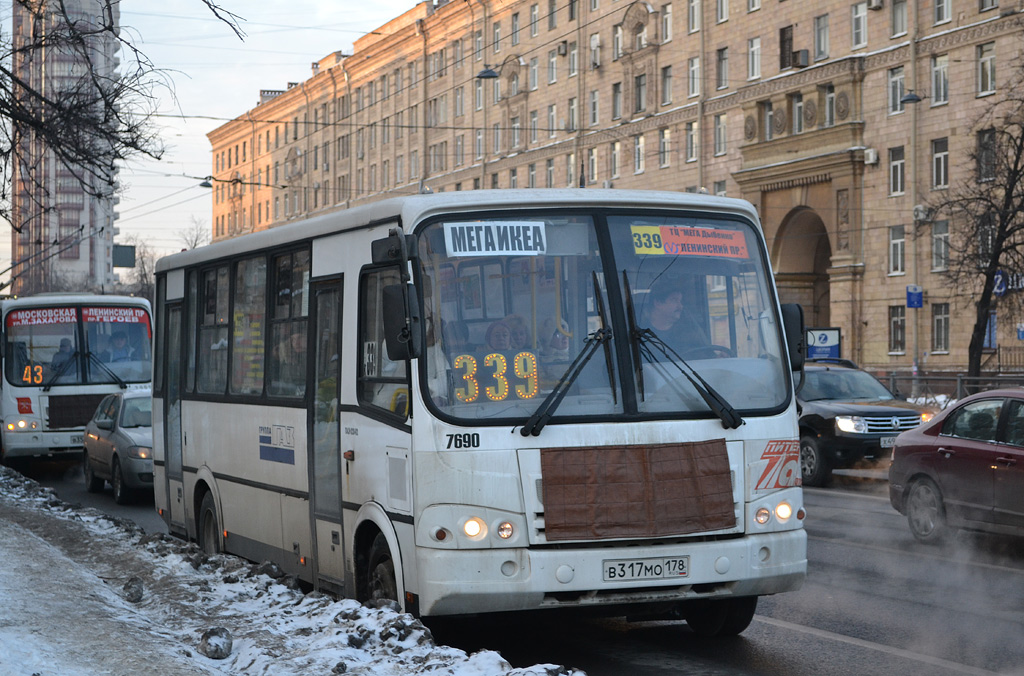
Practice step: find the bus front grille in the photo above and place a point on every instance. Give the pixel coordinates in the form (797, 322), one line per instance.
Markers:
(71, 410)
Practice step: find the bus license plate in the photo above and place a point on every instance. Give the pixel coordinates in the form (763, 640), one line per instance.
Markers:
(888, 442)
(76, 439)
(646, 569)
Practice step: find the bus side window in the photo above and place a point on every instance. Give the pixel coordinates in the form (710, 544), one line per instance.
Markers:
(382, 383)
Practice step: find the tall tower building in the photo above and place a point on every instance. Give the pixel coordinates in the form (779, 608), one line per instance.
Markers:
(62, 233)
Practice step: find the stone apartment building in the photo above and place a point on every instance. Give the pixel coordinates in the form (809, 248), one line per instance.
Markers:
(63, 235)
(802, 108)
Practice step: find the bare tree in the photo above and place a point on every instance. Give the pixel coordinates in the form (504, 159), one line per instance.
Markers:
(197, 234)
(140, 279)
(985, 212)
(86, 118)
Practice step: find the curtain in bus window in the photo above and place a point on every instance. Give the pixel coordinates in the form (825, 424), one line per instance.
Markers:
(212, 369)
(288, 335)
(42, 345)
(119, 339)
(248, 326)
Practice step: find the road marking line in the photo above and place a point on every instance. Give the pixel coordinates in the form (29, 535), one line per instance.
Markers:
(860, 643)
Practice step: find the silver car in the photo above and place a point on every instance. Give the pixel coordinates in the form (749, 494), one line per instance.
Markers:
(119, 445)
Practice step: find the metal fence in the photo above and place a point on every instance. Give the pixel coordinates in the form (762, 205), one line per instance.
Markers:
(940, 390)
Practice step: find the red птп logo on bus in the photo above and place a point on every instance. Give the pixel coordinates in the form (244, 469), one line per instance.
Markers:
(24, 405)
(783, 465)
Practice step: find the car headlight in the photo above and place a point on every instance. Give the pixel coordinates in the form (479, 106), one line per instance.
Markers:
(851, 423)
(140, 452)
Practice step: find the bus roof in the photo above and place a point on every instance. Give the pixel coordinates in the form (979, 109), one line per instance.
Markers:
(412, 209)
(61, 299)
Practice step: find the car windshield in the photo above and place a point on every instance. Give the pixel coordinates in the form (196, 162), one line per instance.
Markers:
(843, 384)
(509, 304)
(137, 412)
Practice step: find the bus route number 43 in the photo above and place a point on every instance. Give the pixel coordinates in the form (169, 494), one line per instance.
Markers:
(646, 569)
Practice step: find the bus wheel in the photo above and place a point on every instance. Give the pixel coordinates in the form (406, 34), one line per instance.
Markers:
(726, 617)
(380, 579)
(741, 613)
(209, 529)
(93, 483)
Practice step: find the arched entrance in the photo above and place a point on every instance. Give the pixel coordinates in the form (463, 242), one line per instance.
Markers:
(801, 256)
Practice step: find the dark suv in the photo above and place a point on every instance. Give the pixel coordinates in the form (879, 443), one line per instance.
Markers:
(847, 415)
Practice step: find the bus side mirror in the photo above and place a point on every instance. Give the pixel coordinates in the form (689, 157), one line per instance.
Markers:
(796, 336)
(395, 248)
(401, 315)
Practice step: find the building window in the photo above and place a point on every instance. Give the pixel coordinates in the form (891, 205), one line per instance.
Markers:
(821, 37)
(990, 342)
(666, 85)
(552, 121)
(940, 79)
(897, 179)
(616, 41)
(478, 144)
(942, 14)
(573, 119)
(785, 47)
(613, 159)
(830, 105)
(495, 138)
(531, 176)
(515, 28)
(570, 170)
(573, 59)
(719, 190)
(940, 245)
(513, 178)
(534, 14)
(693, 16)
(640, 89)
(616, 100)
(640, 37)
(986, 154)
(552, 14)
(898, 16)
(940, 163)
(721, 10)
(940, 327)
(753, 5)
(533, 74)
(897, 250)
(639, 160)
(666, 22)
(796, 107)
(859, 25)
(478, 95)
(496, 37)
(753, 58)
(720, 145)
(986, 5)
(722, 68)
(534, 125)
(549, 173)
(897, 329)
(515, 131)
(987, 68)
(592, 165)
(595, 50)
(664, 147)
(896, 90)
(594, 98)
(552, 66)
(767, 120)
(693, 69)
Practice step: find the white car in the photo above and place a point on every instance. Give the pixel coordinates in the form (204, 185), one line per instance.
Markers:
(119, 445)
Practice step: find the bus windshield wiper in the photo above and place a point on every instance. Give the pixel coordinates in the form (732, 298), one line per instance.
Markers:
(547, 408)
(73, 359)
(106, 369)
(718, 404)
(635, 338)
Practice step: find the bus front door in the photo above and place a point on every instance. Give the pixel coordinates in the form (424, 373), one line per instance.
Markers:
(172, 416)
(324, 447)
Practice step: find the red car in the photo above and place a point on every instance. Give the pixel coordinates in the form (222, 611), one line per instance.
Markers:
(964, 469)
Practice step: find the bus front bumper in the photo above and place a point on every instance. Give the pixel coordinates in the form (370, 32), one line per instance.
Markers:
(40, 443)
(455, 582)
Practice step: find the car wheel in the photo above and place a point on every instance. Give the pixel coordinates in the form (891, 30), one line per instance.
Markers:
(925, 512)
(814, 467)
(122, 495)
(209, 529)
(380, 573)
(93, 484)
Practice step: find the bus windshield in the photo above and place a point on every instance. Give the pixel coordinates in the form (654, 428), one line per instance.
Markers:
(511, 303)
(45, 345)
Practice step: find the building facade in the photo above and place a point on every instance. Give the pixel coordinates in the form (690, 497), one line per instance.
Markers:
(799, 107)
(62, 234)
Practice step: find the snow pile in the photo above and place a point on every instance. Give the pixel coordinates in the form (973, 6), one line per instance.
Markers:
(88, 593)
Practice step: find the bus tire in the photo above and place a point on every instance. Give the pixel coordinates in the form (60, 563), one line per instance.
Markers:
(706, 618)
(209, 528)
(93, 484)
(381, 584)
(740, 615)
(122, 495)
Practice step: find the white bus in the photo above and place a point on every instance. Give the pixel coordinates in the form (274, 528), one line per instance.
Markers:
(461, 402)
(62, 354)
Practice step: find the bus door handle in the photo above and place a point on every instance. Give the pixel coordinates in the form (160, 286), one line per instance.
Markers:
(349, 455)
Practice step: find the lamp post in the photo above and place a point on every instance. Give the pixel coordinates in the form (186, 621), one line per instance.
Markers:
(487, 73)
(913, 99)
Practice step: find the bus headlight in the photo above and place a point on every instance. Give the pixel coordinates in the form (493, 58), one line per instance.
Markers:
(762, 515)
(851, 423)
(140, 452)
(474, 528)
(505, 530)
(22, 425)
(783, 511)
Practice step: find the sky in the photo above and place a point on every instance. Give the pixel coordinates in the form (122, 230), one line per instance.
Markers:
(150, 601)
(215, 77)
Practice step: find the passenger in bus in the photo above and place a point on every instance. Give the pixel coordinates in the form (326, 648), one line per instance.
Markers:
(556, 345)
(62, 355)
(437, 366)
(118, 350)
(666, 315)
(519, 334)
(456, 338)
(290, 357)
(499, 336)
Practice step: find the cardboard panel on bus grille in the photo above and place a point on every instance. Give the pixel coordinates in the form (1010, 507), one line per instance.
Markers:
(72, 410)
(636, 491)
